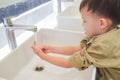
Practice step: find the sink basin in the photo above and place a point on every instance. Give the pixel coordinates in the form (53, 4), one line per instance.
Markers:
(21, 63)
(70, 19)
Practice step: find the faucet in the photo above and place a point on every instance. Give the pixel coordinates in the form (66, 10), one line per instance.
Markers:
(59, 6)
(10, 27)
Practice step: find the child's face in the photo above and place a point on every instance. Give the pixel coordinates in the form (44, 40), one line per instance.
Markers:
(90, 22)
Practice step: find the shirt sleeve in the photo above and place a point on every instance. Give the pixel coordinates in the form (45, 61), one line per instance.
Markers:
(99, 53)
(78, 59)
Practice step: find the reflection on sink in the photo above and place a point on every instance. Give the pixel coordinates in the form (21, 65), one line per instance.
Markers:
(70, 19)
(20, 64)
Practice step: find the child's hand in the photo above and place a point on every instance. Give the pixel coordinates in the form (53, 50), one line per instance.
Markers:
(45, 48)
(37, 50)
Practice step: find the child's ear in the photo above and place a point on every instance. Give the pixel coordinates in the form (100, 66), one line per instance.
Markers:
(103, 23)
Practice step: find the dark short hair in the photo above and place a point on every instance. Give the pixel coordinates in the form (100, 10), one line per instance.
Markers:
(107, 8)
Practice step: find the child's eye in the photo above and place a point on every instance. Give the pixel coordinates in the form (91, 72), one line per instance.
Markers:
(84, 21)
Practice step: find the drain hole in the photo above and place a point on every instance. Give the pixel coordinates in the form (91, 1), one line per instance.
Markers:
(39, 68)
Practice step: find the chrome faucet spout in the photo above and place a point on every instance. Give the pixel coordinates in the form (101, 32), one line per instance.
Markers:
(23, 27)
(10, 27)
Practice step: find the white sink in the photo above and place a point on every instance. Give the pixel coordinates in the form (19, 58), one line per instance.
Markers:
(70, 19)
(20, 64)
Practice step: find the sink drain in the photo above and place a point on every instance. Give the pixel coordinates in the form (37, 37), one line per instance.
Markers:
(39, 68)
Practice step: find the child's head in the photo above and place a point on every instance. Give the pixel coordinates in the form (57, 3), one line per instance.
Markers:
(99, 16)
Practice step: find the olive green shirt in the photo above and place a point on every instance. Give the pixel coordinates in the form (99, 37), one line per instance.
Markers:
(103, 52)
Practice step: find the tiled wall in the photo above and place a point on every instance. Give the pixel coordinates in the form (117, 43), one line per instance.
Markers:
(16, 9)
